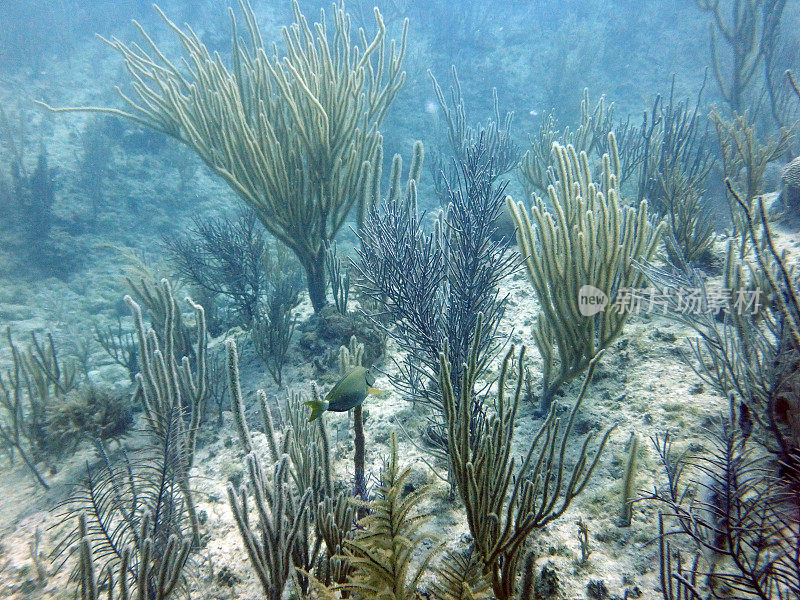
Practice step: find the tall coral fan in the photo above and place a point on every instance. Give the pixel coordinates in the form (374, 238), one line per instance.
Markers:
(296, 137)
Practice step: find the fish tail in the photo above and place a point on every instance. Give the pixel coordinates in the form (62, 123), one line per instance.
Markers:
(317, 408)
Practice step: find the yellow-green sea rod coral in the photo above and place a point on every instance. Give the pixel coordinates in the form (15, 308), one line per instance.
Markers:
(295, 137)
(584, 236)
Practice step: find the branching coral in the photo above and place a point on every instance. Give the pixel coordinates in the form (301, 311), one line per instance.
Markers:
(775, 388)
(743, 519)
(147, 291)
(339, 276)
(749, 34)
(745, 157)
(432, 285)
(155, 579)
(166, 388)
(388, 555)
(749, 346)
(334, 519)
(35, 382)
(501, 152)
(130, 520)
(270, 544)
(120, 345)
(275, 319)
(225, 257)
(131, 532)
(295, 137)
(676, 161)
(272, 334)
(584, 237)
(506, 503)
(217, 386)
(588, 136)
(298, 499)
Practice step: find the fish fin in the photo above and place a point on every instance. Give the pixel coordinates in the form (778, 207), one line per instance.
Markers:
(317, 408)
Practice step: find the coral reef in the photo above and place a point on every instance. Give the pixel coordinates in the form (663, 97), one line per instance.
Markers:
(158, 579)
(275, 320)
(323, 334)
(148, 292)
(158, 449)
(271, 334)
(281, 520)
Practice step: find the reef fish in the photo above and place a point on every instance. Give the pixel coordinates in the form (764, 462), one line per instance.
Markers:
(348, 393)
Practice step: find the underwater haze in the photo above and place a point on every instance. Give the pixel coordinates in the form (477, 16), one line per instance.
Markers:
(400, 300)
